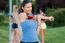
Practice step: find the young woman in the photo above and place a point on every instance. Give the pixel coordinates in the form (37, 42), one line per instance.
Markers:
(42, 26)
(29, 23)
(15, 30)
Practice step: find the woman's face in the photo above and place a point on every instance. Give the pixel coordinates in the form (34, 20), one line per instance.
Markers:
(28, 8)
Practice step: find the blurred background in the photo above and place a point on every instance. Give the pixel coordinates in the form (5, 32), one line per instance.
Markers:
(55, 30)
(4, 20)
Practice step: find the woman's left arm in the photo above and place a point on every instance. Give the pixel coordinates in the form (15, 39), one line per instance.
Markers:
(39, 23)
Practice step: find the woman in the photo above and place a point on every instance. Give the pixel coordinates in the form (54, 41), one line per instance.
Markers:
(29, 23)
(15, 30)
(42, 26)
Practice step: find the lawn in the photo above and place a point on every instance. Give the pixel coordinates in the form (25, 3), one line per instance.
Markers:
(4, 34)
(53, 35)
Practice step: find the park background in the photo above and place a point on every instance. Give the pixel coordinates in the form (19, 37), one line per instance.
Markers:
(55, 32)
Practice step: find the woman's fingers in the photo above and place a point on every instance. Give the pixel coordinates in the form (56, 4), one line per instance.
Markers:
(51, 18)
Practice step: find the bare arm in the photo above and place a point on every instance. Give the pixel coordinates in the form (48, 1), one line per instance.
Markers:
(51, 18)
(39, 23)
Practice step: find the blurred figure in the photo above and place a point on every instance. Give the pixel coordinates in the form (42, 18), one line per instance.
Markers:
(15, 25)
(42, 25)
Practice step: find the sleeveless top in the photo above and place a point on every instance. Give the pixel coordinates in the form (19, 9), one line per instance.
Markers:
(29, 29)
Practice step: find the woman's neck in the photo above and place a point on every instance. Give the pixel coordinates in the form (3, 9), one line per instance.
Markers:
(27, 13)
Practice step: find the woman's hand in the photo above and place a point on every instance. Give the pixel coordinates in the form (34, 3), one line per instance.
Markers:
(51, 18)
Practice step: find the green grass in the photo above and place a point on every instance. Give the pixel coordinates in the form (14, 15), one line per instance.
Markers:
(4, 34)
(55, 35)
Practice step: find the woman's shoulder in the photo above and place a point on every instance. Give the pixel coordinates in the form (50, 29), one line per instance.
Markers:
(38, 15)
(22, 13)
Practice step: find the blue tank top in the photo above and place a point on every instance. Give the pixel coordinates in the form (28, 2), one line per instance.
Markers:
(29, 29)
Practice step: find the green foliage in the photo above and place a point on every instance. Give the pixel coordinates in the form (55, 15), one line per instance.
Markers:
(4, 18)
(59, 15)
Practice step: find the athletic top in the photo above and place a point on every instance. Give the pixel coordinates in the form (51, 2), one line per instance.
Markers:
(29, 29)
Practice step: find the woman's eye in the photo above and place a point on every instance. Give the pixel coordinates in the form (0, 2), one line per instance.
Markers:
(28, 7)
